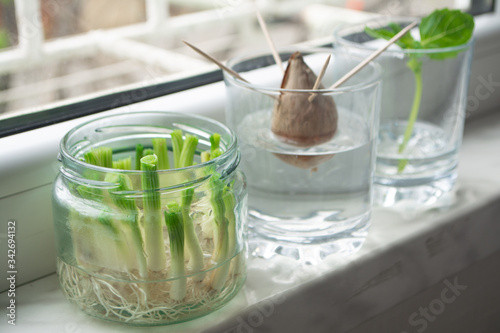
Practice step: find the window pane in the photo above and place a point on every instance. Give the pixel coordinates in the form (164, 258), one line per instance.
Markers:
(68, 17)
(56, 51)
(8, 24)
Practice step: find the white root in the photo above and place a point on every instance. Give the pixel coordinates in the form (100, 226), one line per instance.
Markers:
(111, 298)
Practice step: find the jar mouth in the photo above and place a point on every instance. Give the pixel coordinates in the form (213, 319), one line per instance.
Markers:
(359, 38)
(259, 60)
(128, 127)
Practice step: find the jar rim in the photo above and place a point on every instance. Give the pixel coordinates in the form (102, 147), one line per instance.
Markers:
(66, 154)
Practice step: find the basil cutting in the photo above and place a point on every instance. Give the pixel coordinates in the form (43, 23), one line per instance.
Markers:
(441, 29)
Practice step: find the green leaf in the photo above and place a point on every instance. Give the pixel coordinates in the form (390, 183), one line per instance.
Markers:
(445, 28)
(405, 42)
(384, 34)
(442, 28)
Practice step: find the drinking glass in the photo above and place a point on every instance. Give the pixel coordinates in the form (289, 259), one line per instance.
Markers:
(312, 198)
(421, 118)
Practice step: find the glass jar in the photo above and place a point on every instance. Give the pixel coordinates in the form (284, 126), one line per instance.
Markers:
(156, 246)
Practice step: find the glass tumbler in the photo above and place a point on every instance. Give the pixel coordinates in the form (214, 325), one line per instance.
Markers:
(422, 114)
(156, 245)
(310, 191)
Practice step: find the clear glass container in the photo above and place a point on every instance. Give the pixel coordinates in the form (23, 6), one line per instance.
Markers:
(424, 97)
(118, 258)
(307, 199)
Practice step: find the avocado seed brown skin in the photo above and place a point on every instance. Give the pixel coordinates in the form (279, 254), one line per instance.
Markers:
(295, 119)
(304, 162)
(298, 121)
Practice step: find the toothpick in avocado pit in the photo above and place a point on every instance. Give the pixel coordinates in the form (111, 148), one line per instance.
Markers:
(298, 119)
(222, 66)
(217, 62)
(269, 40)
(320, 77)
(311, 122)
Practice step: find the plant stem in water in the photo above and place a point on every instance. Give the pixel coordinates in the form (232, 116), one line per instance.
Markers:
(153, 226)
(416, 67)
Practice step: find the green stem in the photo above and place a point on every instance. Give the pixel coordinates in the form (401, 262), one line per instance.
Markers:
(221, 242)
(188, 149)
(153, 226)
(230, 205)
(148, 151)
(112, 251)
(128, 220)
(101, 156)
(214, 141)
(205, 156)
(85, 245)
(123, 164)
(139, 150)
(417, 69)
(177, 142)
(160, 149)
(175, 227)
(215, 150)
(193, 247)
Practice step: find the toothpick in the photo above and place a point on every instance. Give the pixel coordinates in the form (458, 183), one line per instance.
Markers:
(319, 78)
(263, 26)
(217, 62)
(225, 68)
(373, 56)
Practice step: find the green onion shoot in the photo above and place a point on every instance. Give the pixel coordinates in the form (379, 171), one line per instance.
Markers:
(161, 151)
(175, 227)
(153, 225)
(145, 224)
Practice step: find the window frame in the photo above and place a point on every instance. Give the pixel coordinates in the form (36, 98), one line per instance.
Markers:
(85, 105)
(30, 121)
